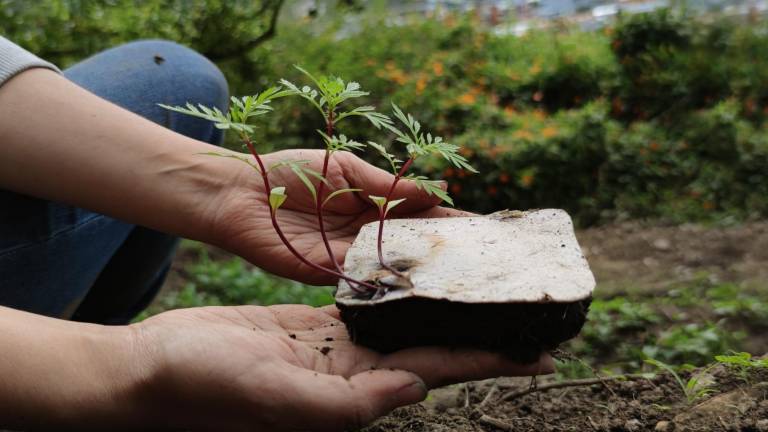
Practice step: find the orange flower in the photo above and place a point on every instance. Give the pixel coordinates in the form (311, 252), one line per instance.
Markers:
(437, 68)
(462, 173)
(421, 84)
(535, 69)
(448, 172)
(390, 65)
(708, 205)
(523, 134)
(654, 146)
(526, 180)
(398, 77)
(509, 111)
(466, 152)
(504, 178)
(492, 190)
(539, 114)
(370, 62)
(549, 132)
(455, 188)
(467, 98)
(538, 96)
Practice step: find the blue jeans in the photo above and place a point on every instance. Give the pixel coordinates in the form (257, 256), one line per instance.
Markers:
(68, 262)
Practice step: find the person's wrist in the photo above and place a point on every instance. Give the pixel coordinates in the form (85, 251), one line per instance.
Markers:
(110, 368)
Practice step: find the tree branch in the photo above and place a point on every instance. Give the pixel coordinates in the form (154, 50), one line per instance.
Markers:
(253, 43)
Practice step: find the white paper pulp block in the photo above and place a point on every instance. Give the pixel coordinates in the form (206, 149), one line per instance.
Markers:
(505, 257)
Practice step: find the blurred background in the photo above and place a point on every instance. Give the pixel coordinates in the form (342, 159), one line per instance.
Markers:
(646, 120)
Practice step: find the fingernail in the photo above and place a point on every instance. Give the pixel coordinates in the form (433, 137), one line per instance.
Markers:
(412, 393)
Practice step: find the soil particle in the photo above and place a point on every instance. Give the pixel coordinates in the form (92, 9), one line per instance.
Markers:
(325, 350)
(329, 339)
(159, 59)
(292, 336)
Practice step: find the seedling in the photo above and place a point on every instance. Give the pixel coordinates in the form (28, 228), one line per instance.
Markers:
(742, 364)
(694, 388)
(331, 97)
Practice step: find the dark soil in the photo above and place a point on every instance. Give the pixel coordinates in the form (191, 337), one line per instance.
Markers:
(522, 330)
(641, 404)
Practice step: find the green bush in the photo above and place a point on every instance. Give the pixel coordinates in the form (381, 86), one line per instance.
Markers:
(661, 115)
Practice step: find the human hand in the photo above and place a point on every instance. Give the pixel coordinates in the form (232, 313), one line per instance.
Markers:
(264, 368)
(242, 222)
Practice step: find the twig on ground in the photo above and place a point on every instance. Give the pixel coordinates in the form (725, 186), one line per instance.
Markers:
(466, 394)
(570, 383)
(494, 422)
(490, 395)
(561, 354)
(593, 424)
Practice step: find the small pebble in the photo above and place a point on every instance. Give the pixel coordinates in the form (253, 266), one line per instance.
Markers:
(663, 426)
(633, 425)
(762, 425)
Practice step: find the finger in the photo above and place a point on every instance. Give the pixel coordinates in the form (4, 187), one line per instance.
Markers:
(376, 181)
(443, 366)
(332, 311)
(333, 403)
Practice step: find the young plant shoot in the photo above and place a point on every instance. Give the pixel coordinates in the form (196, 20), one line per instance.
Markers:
(327, 94)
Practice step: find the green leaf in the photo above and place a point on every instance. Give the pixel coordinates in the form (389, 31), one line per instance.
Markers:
(392, 204)
(297, 169)
(277, 197)
(233, 156)
(379, 201)
(376, 119)
(431, 187)
(393, 162)
(219, 119)
(340, 143)
(337, 193)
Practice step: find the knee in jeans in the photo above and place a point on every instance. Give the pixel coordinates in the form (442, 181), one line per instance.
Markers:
(202, 79)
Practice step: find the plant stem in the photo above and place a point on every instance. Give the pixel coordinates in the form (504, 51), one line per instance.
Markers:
(273, 215)
(382, 216)
(320, 190)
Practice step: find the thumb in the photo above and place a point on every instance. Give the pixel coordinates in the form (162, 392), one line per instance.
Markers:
(375, 181)
(335, 403)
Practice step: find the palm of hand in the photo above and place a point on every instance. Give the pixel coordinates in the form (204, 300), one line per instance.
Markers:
(263, 365)
(244, 218)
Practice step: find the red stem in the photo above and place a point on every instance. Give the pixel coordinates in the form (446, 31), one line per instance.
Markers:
(288, 244)
(319, 201)
(382, 216)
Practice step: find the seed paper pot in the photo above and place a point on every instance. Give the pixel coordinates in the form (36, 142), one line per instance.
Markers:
(511, 281)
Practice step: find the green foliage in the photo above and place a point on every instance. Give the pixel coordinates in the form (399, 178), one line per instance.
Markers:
(660, 115)
(66, 31)
(742, 364)
(692, 343)
(232, 282)
(694, 388)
